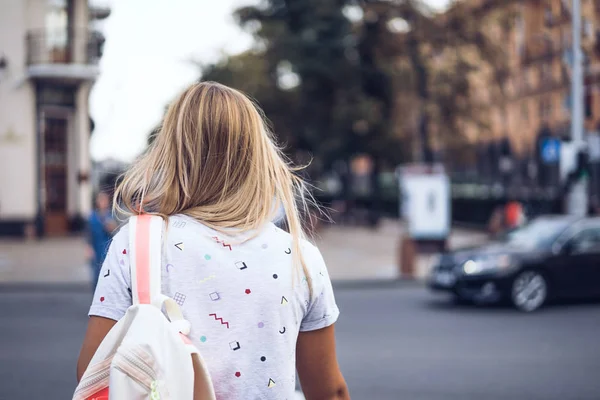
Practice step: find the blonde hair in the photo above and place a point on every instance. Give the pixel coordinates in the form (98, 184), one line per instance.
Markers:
(216, 161)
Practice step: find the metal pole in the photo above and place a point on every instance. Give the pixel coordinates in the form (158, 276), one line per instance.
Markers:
(577, 78)
(578, 197)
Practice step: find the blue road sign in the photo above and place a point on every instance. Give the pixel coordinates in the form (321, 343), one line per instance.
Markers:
(550, 150)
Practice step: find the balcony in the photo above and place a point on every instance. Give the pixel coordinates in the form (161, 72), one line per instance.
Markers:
(544, 48)
(535, 54)
(68, 56)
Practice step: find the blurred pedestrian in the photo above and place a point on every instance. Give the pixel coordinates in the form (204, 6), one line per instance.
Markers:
(216, 176)
(101, 226)
(496, 223)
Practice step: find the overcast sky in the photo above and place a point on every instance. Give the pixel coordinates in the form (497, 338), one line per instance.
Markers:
(146, 63)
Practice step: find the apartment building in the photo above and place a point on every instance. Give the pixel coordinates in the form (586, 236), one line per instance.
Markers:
(48, 63)
(537, 98)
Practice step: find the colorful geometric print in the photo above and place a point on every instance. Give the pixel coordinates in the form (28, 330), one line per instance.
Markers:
(179, 298)
(216, 238)
(260, 339)
(219, 319)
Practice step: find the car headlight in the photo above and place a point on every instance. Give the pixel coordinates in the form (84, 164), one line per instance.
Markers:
(481, 265)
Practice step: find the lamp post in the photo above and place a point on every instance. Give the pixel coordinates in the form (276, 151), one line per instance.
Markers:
(577, 195)
(577, 78)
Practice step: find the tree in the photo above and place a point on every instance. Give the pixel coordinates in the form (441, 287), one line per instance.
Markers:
(440, 54)
(344, 96)
(336, 86)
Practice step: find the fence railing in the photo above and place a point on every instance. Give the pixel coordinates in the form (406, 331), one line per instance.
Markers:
(78, 46)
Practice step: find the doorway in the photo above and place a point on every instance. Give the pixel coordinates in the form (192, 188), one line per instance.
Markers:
(54, 172)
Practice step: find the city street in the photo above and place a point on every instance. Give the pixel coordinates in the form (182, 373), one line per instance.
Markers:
(395, 341)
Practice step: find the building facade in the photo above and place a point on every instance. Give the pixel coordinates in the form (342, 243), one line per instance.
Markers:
(537, 93)
(48, 63)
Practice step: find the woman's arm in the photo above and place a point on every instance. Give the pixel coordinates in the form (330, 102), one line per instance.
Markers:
(317, 366)
(97, 329)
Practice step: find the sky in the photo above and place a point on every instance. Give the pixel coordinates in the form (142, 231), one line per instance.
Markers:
(147, 61)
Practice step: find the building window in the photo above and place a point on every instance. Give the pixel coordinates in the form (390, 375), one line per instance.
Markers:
(567, 103)
(565, 38)
(588, 28)
(548, 16)
(545, 73)
(545, 108)
(565, 6)
(57, 23)
(525, 112)
(520, 34)
(526, 80)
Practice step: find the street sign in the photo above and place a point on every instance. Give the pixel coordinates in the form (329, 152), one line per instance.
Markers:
(550, 150)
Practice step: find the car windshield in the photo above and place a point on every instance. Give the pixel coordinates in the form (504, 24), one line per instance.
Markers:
(539, 233)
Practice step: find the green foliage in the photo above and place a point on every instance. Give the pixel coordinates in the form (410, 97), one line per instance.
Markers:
(362, 87)
(342, 102)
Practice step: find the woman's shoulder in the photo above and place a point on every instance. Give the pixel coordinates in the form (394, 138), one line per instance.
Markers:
(310, 252)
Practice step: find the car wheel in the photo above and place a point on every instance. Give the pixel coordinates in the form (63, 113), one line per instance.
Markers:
(529, 291)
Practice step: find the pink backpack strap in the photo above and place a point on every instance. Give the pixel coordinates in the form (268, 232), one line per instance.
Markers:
(145, 242)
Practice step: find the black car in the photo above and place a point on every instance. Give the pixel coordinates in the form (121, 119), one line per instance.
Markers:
(550, 257)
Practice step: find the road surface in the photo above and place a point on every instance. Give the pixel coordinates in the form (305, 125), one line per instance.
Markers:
(394, 342)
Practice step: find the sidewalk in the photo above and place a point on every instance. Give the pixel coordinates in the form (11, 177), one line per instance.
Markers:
(60, 260)
(360, 253)
(351, 253)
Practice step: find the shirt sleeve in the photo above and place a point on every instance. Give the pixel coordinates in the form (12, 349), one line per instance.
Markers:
(112, 297)
(322, 311)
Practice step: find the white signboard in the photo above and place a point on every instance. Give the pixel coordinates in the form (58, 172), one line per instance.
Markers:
(426, 203)
(593, 140)
(568, 159)
(577, 199)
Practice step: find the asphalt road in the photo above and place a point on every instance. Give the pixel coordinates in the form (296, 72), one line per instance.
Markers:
(393, 343)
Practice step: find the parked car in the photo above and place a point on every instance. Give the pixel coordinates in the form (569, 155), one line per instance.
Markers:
(550, 257)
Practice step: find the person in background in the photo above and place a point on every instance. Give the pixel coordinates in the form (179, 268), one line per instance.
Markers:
(496, 223)
(101, 225)
(514, 215)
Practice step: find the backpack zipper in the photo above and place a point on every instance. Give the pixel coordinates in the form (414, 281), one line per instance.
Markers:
(139, 362)
(90, 382)
(131, 358)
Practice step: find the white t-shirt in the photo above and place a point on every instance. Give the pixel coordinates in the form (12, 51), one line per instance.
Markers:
(244, 300)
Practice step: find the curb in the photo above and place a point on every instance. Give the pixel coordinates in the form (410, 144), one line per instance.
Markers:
(396, 283)
(46, 287)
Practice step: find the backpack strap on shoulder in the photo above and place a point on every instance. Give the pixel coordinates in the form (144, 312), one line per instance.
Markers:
(145, 244)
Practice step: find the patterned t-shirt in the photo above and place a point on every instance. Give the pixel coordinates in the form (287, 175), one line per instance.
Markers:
(244, 298)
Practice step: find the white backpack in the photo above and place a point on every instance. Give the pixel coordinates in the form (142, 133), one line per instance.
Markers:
(145, 355)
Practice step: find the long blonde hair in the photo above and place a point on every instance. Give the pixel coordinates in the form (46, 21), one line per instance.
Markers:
(216, 161)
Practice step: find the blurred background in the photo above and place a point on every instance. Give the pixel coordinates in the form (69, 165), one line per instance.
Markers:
(455, 144)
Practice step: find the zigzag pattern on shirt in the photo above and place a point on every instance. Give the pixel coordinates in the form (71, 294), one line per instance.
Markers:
(222, 242)
(219, 319)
